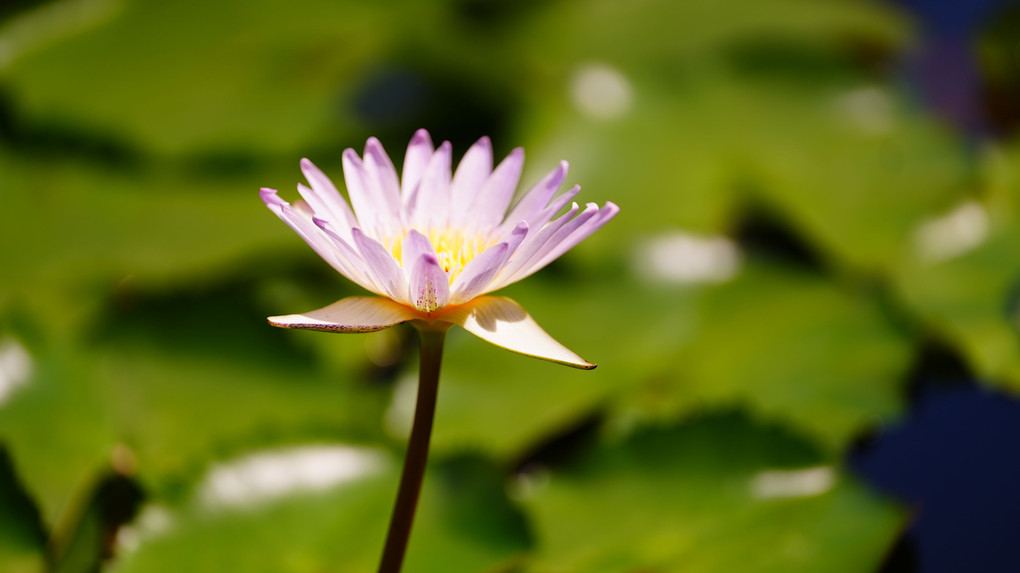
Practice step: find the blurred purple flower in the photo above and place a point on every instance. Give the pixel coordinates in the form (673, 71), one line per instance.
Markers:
(433, 244)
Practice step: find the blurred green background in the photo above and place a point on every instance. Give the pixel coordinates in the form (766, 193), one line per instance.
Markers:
(798, 228)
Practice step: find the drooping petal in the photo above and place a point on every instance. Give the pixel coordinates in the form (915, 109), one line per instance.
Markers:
(352, 314)
(503, 322)
(324, 198)
(381, 265)
(488, 206)
(419, 151)
(479, 273)
(429, 208)
(472, 172)
(538, 196)
(415, 245)
(429, 285)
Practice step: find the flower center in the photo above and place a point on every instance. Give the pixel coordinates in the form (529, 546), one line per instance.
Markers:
(454, 248)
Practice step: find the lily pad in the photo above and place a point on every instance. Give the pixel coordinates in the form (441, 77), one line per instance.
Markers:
(717, 494)
(464, 524)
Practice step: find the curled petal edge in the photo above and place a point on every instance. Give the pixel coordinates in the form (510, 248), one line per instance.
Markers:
(495, 319)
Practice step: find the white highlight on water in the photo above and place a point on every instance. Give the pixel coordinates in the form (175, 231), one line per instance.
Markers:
(869, 109)
(267, 476)
(678, 257)
(953, 234)
(807, 482)
(601, 91)
(15, 368)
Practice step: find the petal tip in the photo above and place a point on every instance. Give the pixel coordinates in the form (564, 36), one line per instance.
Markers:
(270, 197)
(350, 155)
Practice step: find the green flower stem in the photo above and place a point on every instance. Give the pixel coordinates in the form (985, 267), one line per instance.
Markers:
(431, 336)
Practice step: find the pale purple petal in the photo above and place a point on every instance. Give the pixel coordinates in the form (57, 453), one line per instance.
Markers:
(472, 172)
(419, 151)
(538, 196)
(503, 322)
(555, 248)
(352, 314)
(351, 263)
(384, 213)
(546, 215)
(415, 245)
(304, 227)
(381, 266)
(533, 244)
(431, 206)
(342, 222)
(429, 285)
(489, 205)
(381, 177)
(478, 274)
(324, 199)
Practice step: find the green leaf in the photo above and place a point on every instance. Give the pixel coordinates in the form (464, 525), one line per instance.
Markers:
(210, 88)
(464, 524)
(59, 461)
(970, 303)
(718, 494)
(22, 537)
(789, 347)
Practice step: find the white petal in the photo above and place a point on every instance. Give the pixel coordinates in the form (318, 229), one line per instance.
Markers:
(370, 209)
(474, 169)
(430, 207)
(505, 323)
(488, 206)
(419, 151)
(352, 314)
(382, 181)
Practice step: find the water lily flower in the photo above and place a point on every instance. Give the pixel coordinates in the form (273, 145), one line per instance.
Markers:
(433, 242)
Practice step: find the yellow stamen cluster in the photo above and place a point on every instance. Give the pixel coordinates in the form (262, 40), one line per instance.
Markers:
(454, 248)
